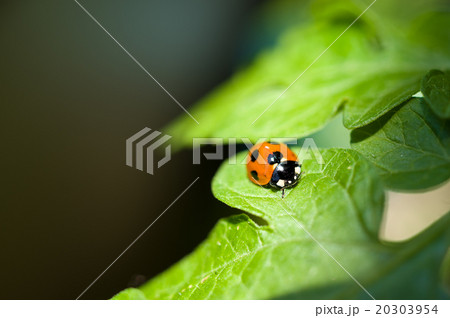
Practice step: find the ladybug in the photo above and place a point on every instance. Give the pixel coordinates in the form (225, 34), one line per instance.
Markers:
(274, 165)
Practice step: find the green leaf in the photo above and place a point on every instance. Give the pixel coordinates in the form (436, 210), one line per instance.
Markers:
(409, 146)
(445, 271)
(345, 174)
(130, 294)
(436, 91)
(276, 252)
(418, 267)
(378, 95)
(373, 67)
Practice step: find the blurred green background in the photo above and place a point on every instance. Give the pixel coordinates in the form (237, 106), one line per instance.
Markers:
(69, 98)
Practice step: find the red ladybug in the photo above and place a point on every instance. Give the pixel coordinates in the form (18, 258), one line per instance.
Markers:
(272, 164)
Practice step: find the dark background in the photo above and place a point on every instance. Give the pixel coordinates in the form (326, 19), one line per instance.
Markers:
(70, 97)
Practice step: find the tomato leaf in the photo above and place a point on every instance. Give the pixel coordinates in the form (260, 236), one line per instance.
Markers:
(436, 91)
(409, 146)
(334, 210)
(288, 91)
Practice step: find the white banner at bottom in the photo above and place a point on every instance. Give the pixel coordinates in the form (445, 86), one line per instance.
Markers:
(225, 309)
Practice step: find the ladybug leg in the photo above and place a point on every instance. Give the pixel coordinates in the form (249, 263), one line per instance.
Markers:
(282, 193)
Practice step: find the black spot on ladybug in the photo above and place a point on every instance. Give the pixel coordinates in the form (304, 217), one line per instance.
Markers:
(275, 158)
(255, 155)
(254, 175)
